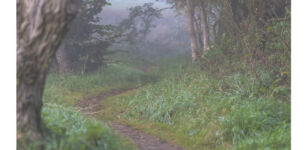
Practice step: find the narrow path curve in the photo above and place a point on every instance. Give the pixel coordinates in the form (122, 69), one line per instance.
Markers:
(143, 140)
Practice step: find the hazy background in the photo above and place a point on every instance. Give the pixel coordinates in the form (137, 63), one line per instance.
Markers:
(169, 38)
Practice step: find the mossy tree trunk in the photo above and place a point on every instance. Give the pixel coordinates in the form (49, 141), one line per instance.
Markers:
(41, 25)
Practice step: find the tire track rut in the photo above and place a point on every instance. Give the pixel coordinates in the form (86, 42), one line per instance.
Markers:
(144, 141)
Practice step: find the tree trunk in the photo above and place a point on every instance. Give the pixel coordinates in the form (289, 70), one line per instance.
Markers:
(190, 15)
(198, 30)
(41, 25)
(203, 17)
(62, 59)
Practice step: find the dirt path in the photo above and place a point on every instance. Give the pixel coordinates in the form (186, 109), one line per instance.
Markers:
(92, 105)
(143, 140)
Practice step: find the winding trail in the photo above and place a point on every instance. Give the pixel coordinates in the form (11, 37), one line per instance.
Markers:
(142, 140)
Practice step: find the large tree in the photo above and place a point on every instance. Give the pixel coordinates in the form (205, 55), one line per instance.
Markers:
(41, 26)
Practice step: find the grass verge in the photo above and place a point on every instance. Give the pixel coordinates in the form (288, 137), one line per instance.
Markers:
(66, 127)
(200, 110)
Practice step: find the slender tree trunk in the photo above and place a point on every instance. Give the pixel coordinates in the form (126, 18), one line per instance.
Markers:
(62, 59)
(41, 25)
(203, 17)
(190, 15)
(199, 34)
(215, 29)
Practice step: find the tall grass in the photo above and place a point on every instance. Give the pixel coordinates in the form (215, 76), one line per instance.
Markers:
(66, 127)
(214, 108)
(217, 111)
(73, 87)
(69, 130)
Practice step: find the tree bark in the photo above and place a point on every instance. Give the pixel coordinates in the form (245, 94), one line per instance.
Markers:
(203, 17)
(198, 30)
(190, 15)
(41, 25)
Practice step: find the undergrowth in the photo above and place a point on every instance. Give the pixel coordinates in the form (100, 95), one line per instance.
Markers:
(219, 107)
(204, 110)
(66, 128)
(73, 87)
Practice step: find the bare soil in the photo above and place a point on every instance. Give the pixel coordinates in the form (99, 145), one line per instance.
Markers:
(144, 141)
(92, 105)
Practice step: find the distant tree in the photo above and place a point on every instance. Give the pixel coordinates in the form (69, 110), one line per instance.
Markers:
(204, 24)
(41, 26)
(196, 12)
(240, 29)
(86, 44)
(139, 23)
(81, 29)
(62, 59)
(193, 34)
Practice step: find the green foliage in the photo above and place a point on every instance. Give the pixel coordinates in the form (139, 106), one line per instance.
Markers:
(228, 107)
(277, 139)
(74, 87)
(214, 110)
(69, 130)
(238, 99)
